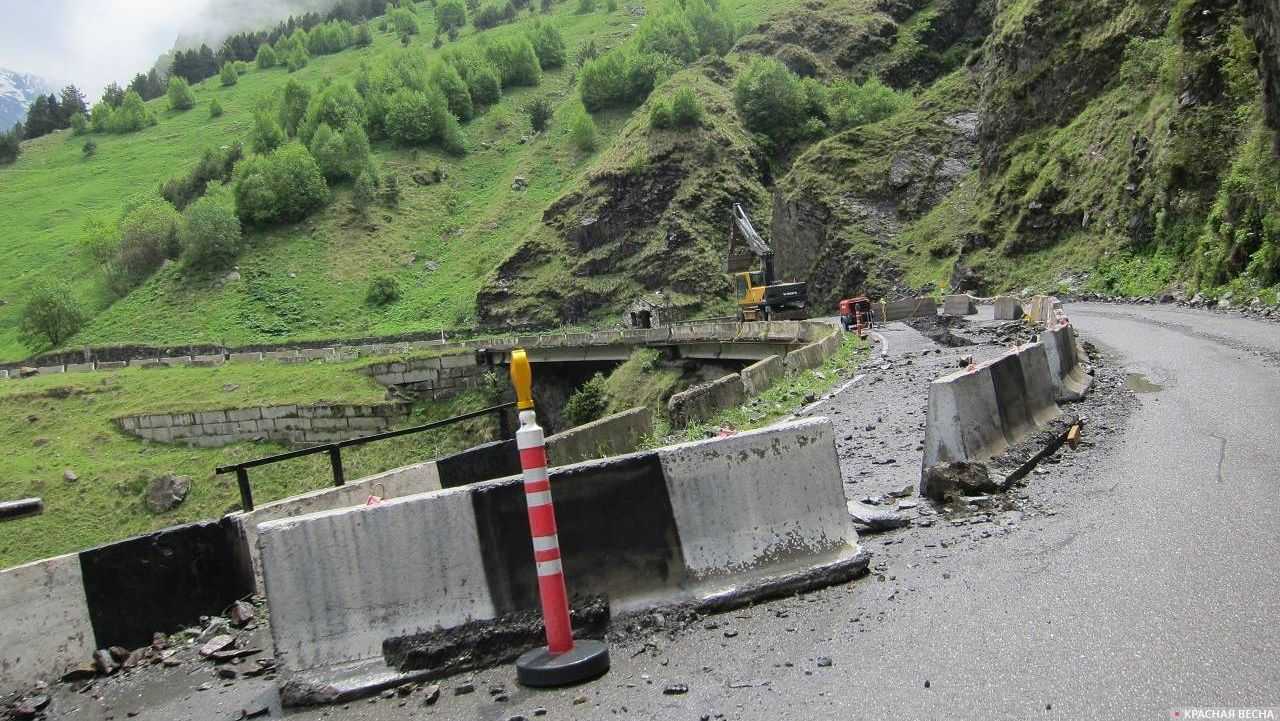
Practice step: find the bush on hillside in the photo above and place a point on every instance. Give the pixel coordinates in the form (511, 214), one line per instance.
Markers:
(362, 37)
(148, 237)
(451, 14)
(338, 105)
(443, 76)
(515, 60)
(284, 186)
(384, 290)
(421, 118)
(215, 108)
(10, 147)
(484, 83)
(341, 154)
(713, 26)
(130, 116)
(293, 106)
(540, 112)
(660, 115)
(621, 77)
(216, 165)
(331, 37)
(228, 75)
(493, 15)
(51, 316)
(365, 190)
(391, 192)
(548, 45)
(686, 110)
(79, 124)
(266, 58)
(668, 32)
(588, 403)
(771, 99)
(180, 95)
(209, 236)
(582, 130)
(586, 7)
(89, 149)
(297, 59)
(267, 134)
(404, 21)
(850, 105)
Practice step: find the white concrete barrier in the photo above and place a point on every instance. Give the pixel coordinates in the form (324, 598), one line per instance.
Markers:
(959, 305)
(963, 420)
(1070, 381)
(44, 623)
(1007, 308)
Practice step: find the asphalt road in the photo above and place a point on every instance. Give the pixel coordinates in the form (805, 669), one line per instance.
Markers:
(1135, 576)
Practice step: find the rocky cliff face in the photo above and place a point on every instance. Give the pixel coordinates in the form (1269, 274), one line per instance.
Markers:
(1264, 26)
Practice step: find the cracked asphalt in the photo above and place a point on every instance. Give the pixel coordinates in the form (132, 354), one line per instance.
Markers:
(1124, 579)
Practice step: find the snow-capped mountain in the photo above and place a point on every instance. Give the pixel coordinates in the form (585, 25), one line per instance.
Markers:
(17, 92)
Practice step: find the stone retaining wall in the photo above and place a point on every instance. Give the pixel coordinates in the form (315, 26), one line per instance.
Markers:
(437, 377)
(302, 425)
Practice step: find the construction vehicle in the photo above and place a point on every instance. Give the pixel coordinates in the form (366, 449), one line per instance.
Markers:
(758, 293)
(855, 315)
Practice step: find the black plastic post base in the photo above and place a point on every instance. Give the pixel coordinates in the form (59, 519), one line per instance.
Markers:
(588, 659)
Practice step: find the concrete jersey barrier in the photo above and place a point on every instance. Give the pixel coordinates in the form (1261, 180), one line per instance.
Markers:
(694, 523)
(1070, 381)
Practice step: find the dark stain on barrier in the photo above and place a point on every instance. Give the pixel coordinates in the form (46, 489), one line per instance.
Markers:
(617, 532)
(484, 462)
(162, 581)
(1011, 397)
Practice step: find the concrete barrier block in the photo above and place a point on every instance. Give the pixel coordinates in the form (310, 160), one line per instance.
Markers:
(963, 421)
(612, 435)
(244, 358)
(211, 417)
(758, 376)
(770, 497)
(1070, 381)
(51, 370)
(461, 360)
(804, 358)
(244, 414)
(703, 401)
(208, 360)
(272, 412)
(80, 367)
(959, 305)
(1039, 382)
(1011, 396)
(46, 626)
(111, 365)
(330, 604)
(1007, 308)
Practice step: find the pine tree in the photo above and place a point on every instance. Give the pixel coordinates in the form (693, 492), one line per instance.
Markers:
(72, 103)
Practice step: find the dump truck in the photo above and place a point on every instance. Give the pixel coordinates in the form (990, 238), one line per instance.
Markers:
(759, 295)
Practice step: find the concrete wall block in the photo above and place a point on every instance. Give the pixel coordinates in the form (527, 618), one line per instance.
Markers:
(1039, 383)
(703, 401)
(293, 424)
(182, 360)
(1007, 308)
(208, 417)
(609, 436)
(217, 429)
(757, 377)
(178, 433)
(244, 358)
(160, 435)
(270, 412)
(368, 424)
(329, 423)
(129, 423)
(389, 379)
(323, 613)
(462, 360)
(111, 365)
(963, 422)
(247, 428)
(316, 412)
(244, 414)
(215, 360)
(46, 626)
(182, 419)
(760, 499)
(804, 358)
(51, 370)
(80, 367)
(425, 375)
(959, 305)
(213, 441)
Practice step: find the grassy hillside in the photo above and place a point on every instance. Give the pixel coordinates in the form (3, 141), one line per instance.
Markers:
(52, 424)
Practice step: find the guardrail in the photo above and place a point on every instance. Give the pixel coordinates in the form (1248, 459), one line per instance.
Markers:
(335, 450)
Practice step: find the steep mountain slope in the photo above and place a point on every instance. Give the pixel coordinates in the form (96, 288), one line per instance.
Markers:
(17, 92)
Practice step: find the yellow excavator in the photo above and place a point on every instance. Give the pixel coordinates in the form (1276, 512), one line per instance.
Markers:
(759, 295)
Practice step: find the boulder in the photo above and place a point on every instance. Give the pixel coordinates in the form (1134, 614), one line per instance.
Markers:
(961, 478)
(167, 492)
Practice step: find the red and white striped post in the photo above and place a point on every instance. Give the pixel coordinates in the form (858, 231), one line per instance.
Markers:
(561, 661)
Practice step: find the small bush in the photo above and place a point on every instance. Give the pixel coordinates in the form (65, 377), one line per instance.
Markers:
(850, 105)
(660, 115)
(209, 236)
(228, 75)
(586, 7)
(216, 165)
(89, 148)
(363, 37)
(131, 116)
(771, 99)
(384, 290)
(215, 109)
(79, 124)
(451, 14)
(284, 186)
(267, 134)
(340, 154)
(293, 106)
(404, 21)
(582, 131)
(540, 112)
(516, 61)
(686, 111)
(493, 15)
(148, 236)
(588, 403)
(548, 45)
(621, 77)
(297, 59)
(611, 6)
(365, 191)
(10, 147)
(266, 58)
(180, 95)
(338, 105)
(51, 316)
(391, 192)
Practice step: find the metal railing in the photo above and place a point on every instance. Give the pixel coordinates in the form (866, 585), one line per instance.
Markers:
(335, 449)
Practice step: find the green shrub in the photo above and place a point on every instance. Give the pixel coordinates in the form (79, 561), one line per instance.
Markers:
(493, 15)
(215, 108)
(267, 134)
(548, 45)
(582, 130)
(516, 61)
(338, 105)
(451, 14)
(391, 192)
(293, 106)
(365, 191)
(341, 154)
(148, 237)
(586, 7)
(180, 95)
(362, 37)
(216, 165)
(209, 236)
(540, 112)
(588, 403)
(131, 116)
(266, 58)
(284, 186)
(660, 115)
(621, 77)
(404, 21)
(712, 25)
(611, 6)
(850, 105)
(89, 149)
(384, 290)
(297, 59)
(51, 316)
(686, 111)
(668, 32)
(771, 99)
(228, 75)
(79, 124)
(443, 76)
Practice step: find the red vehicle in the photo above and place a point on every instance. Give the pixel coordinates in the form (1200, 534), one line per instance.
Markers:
(855, 315)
